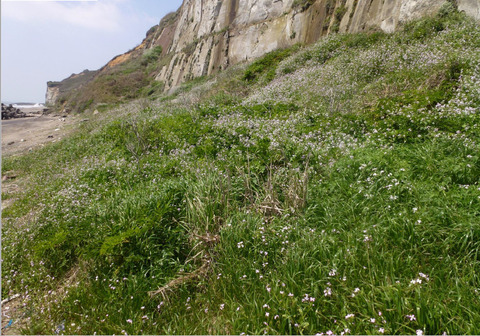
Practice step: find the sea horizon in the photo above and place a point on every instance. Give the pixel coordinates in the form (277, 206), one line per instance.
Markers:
(22, 104)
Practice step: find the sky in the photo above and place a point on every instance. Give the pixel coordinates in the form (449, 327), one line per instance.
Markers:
(49, 40)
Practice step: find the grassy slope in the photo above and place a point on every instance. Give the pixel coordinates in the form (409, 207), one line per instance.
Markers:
(343, 196)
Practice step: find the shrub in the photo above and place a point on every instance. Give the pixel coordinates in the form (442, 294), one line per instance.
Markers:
(151, 56)
(302, 5)
(267, 65)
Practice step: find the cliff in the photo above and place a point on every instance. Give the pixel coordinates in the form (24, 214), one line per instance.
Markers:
(206, 36)
(210, 35)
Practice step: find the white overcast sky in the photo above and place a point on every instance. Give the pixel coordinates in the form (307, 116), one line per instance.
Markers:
(49, 40)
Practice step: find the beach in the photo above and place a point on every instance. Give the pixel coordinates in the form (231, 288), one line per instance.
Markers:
(23, 134)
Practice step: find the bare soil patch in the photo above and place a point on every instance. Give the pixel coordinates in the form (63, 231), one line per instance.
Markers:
(14, 318)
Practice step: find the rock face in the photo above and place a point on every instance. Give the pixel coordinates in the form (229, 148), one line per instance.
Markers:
(53, 91)
(470, 7)
(210, 35)
(10, 112)
(206, 36)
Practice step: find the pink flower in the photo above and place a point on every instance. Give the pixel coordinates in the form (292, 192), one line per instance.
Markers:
(411, 317)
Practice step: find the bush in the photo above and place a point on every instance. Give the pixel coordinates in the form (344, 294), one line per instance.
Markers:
(267, 65)
(302, 5)
(151, 56)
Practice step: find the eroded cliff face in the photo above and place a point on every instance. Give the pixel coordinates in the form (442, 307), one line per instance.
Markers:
(53, 91)
(210, 35)
(206, 36)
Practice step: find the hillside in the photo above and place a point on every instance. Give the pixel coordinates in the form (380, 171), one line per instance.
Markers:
(330, 188)
(204, 37)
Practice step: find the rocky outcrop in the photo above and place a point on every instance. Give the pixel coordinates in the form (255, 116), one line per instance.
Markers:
(206, 36)
(10, 112)
(53, 91)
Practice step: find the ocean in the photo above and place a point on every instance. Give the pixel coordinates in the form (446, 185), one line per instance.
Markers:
(28, 105)
(24, 105)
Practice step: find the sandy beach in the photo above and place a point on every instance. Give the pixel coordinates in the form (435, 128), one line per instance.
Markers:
(23, 134)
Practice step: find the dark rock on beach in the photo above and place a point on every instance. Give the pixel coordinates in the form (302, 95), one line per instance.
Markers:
(10, 112)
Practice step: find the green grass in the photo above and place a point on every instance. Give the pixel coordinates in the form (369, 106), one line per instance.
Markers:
(339, 194)
(267, 65)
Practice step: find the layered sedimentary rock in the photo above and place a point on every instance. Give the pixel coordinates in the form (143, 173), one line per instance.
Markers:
(206, 36)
